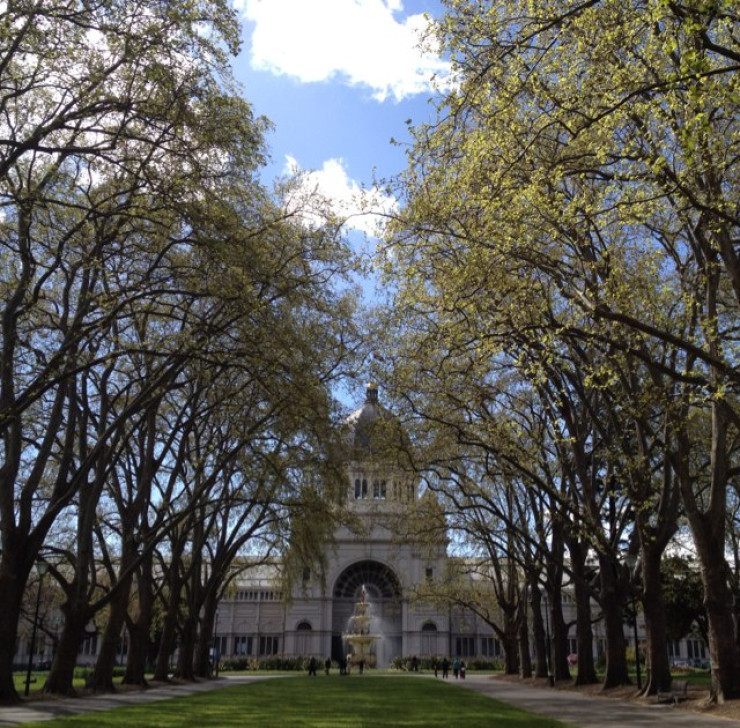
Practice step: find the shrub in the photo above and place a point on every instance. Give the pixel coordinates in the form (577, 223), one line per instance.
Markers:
(233, 664)
(271, 662)
(486, 663)
(398, 663)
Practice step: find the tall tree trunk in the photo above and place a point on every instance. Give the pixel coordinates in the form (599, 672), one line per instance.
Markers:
(659, 677)
(139, 628)
(612, 598)
(719, 603)
(77, 609)
(656, 521)
(13, 576)
(204, 644)
(102, 679)
(708, 530)
(172, 615)
(138, 648)
(538, 630)
(555, 572)
(510, 644)
(525, 654)
(165, 652)
(61, 676)
(202, 663)
(169, 629)
(185, 657)
(586, 674)
(560, 666)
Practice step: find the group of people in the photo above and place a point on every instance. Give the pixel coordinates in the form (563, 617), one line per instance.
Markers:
(344, 665)
(458, 668)
(313, 664)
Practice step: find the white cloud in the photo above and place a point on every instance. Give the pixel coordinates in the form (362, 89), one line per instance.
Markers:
(359, 41)
(362, 209)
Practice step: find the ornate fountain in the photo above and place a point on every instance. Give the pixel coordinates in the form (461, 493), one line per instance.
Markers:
(359, 636)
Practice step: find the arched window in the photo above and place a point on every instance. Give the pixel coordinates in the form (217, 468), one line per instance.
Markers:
(357, 488)
(303, 638)
(364, 488)
(429, 638)
(378, 580)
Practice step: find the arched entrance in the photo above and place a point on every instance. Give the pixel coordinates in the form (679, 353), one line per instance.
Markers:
(384, 594)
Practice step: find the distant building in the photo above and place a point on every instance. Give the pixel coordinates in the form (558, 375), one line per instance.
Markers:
(257, 620)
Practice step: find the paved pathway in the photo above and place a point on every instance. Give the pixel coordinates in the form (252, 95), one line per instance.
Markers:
(589, 711)
(582, 710)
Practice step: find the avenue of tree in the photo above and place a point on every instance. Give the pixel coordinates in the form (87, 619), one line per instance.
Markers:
(560, 340)
(563, 327)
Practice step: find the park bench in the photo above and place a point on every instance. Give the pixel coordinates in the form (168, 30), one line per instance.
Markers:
(678, 691)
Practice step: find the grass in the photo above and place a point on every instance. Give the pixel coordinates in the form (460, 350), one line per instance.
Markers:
(336, 702)
(38, 679)
(696, 678)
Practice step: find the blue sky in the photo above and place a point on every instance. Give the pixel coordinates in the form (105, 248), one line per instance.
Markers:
(338, 78)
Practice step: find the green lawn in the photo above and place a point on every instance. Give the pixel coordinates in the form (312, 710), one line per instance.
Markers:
(696, 678)
(336, 702)
(38, 679)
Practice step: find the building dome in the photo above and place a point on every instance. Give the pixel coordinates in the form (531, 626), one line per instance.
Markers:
(372, 429)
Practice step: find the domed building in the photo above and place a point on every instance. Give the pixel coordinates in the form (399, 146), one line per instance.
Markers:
(257, 620)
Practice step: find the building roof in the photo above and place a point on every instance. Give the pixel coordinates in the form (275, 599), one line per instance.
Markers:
(372, 429)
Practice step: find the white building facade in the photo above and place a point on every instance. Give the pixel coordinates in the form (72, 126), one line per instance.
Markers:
(258, 621)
